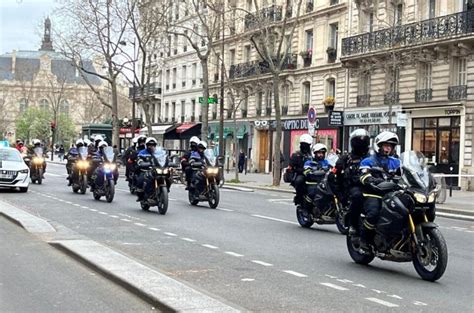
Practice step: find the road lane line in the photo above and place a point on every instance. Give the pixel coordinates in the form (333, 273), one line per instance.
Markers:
(419, 303)
(140, 224)
(262, 263)
(209, 246)
(93, 210)
(274, 219)
(153, 228)
(234, 254)
(226, 210)
(359, 285)
(84, 207)
(295, 274)
(337, 287)
(170, 234)
(382, 302)
(345, 281)
(188, 239)
(114, 216)
(122, 190)
(54, 175)
(396, 297)
(125, 220)
(104, 213)
(78, 205)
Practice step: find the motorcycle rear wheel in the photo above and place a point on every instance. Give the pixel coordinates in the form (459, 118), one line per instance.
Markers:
(305, 221)
(214, 196)
(163, 200)
(432, 264)
(358, 257)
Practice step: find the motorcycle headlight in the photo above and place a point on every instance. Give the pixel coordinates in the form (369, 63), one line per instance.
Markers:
(83, 164)
(159, 171)
(38, 160)
(419, 197)
(109, 167)
(165, 171)
(212, 171)
(432, 197)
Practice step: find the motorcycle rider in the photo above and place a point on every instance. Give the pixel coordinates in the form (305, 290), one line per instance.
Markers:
(31, 152)
(97, 158)
(72, 156)
(126, 156)
(314, 172)
(348, 176)
(132, 159)
(296, 166)
(145, 160)
(187, 169)
(198, 159)
(375, 169)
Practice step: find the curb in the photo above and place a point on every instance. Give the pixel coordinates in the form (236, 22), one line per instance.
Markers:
(163, 292)
(232, 187)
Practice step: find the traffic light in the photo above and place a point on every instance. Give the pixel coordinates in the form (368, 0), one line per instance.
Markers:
(53, 126)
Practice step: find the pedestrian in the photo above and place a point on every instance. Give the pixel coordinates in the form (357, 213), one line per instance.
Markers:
(61, 153)
(241, 160)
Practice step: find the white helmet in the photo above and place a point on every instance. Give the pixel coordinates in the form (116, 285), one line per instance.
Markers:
(320, 147)
(98, 138)
(306, 138)
(36, 142)
(87, 142)
(194, 139)
(385, 137)
(102, 144)
(203, 144)
(151, 141)
(135, 140)
(79, 142)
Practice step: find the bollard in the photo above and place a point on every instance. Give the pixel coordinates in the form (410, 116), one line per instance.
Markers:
(451, 182)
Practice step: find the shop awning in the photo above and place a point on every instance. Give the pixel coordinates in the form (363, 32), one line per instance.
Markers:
(156, 129)
(184, 131)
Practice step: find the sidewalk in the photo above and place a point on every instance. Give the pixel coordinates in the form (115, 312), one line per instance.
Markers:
(462, 202)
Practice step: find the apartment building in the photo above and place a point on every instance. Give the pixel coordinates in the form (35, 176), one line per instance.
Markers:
(411, 70)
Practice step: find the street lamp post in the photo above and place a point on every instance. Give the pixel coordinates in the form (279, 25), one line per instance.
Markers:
(221, 104)
(134, 89)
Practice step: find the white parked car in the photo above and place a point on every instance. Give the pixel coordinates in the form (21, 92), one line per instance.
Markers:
(13, 170)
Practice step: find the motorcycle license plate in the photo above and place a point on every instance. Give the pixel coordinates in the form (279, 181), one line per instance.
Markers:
(6, 176)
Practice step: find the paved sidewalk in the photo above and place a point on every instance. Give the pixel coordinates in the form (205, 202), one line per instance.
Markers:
(462, 202)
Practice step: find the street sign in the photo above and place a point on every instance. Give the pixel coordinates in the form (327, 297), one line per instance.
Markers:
(209, 100)
(311, 115)
(335, 118)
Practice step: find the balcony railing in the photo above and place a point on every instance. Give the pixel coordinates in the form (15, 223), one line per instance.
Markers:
(259, 67)
(457, 92)
(423, 95)
(391, 98)
(266, 15)
(147, 91)
(363, 100)
(457, 24)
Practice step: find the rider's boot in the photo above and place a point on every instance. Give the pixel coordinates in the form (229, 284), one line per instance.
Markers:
(367, 235)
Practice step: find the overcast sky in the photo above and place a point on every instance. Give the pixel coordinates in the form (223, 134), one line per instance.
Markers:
(21, 22)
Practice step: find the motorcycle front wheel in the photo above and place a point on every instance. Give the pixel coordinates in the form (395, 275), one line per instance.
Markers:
(40, 176)
(110, 191)
(303, 218)
(83, 183)
(359, 258)
(431, 260)
(162, 198)
(191, 198)
(214, 196)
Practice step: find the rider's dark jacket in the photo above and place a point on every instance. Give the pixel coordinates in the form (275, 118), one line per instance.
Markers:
(387, 166)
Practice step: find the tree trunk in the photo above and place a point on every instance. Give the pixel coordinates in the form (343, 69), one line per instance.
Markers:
(115, 120)
(148, 119)
(276, 149)
(236, 147)
(205, 96)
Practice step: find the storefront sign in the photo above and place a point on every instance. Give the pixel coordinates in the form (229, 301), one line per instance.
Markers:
(372, 117)
(452, 112)
(335, 118)
(302, 124)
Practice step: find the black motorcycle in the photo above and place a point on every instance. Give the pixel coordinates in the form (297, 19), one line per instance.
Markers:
(35, 164)
(104, 183)
(159, 175)
(333, 212)
(205, 182)
(403, 231)
(79, 172)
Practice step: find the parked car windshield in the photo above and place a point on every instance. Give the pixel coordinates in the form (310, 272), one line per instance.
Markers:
(10, 155)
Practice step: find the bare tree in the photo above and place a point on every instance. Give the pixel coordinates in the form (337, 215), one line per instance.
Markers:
(100, 26)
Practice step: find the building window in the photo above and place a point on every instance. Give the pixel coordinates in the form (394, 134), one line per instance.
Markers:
(168, 79)
(174, 77)
(432, 9)
(193, 73)
(424, 75)
(259, 103)
(183, 76)
(193, 108)
(167, 111)
(232, 56)
(183, 111)
(306, 95)
(269, 103)
(23, 105)
(392, 80)
(309, 40)
(245, 104)
(44, 105)
(366, 21)
(334, 33)
(459, 71)
(64, 107)
(364, 84)
(286, 100)
(331, 87)
(247, 54)
(173, 111)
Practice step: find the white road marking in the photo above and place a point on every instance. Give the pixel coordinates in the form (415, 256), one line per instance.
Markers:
(125, 220)
(114, 216)
(334, 286)
(378, 291)
(247, 279)
(226, 210)
(153, 228)
(359, 285)
(84, 207)
(68, 202)
(209, 246)
(262, 263)
(330, 276)
(188, 239)
(277, 200)
(234, 254)
(75, 204)
(93, 210)
(396, 297)
(172, 199)
(295, 274)
(170, 234)
(122, 190)
(465, 217)
(345, 281)
(140, 224)
(382, 302)
(104, 213)
(274, 219)
(419, 303)
(51, 174)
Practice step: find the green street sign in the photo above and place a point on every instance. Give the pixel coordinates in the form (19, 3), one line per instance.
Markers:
(209, 100)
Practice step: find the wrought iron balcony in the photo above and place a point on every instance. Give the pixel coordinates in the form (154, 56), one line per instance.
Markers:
(391, 98)
(457, 92)
(454, 25)
(363, 100)
(423, 95)
(148, 90)
(266, 15)
(259, 67)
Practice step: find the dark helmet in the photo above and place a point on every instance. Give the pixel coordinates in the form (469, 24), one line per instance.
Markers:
(360, 141)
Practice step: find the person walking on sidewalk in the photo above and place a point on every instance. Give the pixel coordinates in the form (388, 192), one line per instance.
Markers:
(241, 161)
(61, 152)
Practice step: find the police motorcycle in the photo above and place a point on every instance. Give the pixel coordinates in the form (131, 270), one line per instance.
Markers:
(333, 212)
(205, 181)
(159, 174)
(79, 171)
(104, 181)
(404, 232)
(35, 163)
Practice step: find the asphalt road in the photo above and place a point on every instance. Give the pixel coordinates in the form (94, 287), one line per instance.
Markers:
(37, 278)
(251, 251)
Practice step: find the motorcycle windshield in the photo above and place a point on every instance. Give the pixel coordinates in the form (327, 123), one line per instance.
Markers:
(414, 172)
(38, 152)
(83, 152)
(332, 159)
(160, 156)
(209, 153)
(109, 153)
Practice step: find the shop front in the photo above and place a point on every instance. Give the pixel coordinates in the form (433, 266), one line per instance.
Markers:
(240, 129)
